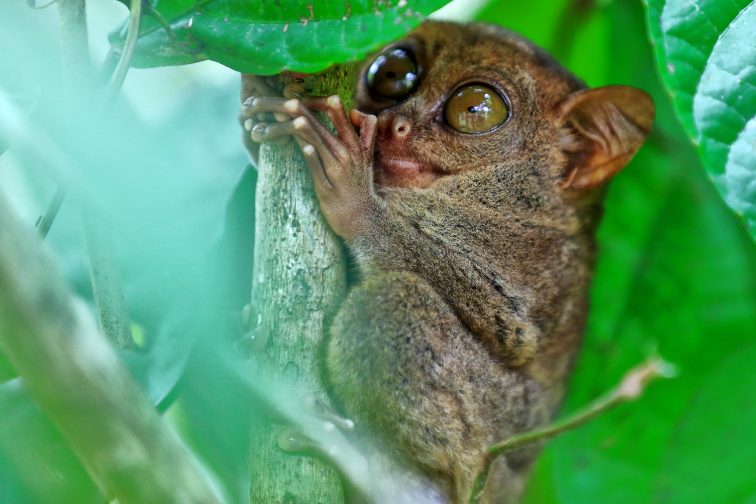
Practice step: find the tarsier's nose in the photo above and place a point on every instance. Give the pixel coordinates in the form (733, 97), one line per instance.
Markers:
(394, 126)
(400, 126)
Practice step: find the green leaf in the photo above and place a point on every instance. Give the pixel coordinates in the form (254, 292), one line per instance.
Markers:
(706, 52)
(266, 37)
(676, 274)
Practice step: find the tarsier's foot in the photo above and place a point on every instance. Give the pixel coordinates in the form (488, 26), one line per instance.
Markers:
(293, 441)
(341, 164)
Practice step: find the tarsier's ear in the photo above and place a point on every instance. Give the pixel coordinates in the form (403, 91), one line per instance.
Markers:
(603, 129)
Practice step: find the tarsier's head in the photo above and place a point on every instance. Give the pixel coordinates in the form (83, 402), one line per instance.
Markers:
(476, 96)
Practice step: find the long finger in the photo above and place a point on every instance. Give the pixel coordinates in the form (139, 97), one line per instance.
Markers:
(301, 128)
(295, 107)
(368, 125)
(266, 132)
(333, 107)
(319, 176)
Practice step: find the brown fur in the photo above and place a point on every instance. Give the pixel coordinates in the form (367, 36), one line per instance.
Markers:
(474, 288)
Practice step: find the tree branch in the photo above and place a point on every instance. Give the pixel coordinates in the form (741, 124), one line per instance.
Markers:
(73, 373)
(631, 387)
(74, 50)
(299, 277)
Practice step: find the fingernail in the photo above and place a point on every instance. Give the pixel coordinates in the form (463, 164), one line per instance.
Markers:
(333, 101)
(248, 124)
(355, 116)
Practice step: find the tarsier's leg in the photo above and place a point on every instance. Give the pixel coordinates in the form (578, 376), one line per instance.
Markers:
(401, 362)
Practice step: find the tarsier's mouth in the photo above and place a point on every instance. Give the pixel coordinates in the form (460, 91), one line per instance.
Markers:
(402, 166)
(403, 172)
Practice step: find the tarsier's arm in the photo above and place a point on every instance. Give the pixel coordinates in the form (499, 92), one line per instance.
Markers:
(385, 238)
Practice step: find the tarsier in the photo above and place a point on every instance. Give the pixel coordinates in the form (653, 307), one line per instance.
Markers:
(467, 184)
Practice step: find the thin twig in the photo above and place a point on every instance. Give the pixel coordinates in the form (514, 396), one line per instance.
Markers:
(33, 4)
(106, 282)
(165, 25)
(77, 83)
(631, 387)
(108, 66)
(45, 222)
(127, 53)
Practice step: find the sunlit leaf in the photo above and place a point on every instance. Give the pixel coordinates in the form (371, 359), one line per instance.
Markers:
(706, 51)
(265, 36)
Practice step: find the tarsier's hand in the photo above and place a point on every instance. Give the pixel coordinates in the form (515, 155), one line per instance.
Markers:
(255, 85)
(341, 164)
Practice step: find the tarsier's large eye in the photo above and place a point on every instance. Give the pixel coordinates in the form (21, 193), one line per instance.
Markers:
(475, 108)
(393, 74)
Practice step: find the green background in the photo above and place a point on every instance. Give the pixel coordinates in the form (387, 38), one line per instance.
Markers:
(676, 274)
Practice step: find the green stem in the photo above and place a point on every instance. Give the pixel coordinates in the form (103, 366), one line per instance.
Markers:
(631, 387)
(127, 53)
(165, 25)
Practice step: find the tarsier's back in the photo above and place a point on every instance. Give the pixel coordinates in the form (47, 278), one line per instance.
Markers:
(470, 203)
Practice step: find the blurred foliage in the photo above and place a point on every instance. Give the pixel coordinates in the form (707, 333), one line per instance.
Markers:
(162, 187)
(677, 272)
(36, 465)
(265, 37)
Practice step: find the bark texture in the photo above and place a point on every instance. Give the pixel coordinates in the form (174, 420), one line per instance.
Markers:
(298, 280)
